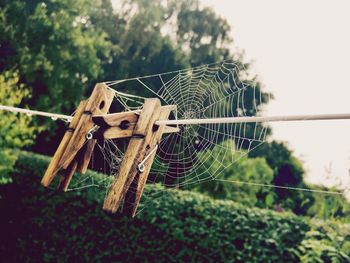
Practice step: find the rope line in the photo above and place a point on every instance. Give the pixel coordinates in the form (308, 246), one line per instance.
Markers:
(309, 117)
(53, 116)
(252, 119)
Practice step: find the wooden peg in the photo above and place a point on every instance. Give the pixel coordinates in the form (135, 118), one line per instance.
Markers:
(134, 154)
(134, 193)
(98, 103)
(71, 155)
(54, 164)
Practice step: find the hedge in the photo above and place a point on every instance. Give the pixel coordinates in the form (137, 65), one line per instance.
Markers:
(39, 225)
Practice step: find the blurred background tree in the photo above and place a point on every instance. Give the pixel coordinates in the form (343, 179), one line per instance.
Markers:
(328, 207)
(54, 47)
(230, 183)
(16, 131)
(288, 172)
(57, 53)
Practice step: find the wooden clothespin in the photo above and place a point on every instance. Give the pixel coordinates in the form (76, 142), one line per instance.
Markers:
(134, 193)
(144, 137)
(75, 149)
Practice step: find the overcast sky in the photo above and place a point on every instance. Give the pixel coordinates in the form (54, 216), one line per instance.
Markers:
(301, 51)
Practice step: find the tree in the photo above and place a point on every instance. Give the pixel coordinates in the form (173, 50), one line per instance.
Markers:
(57, 52)
(203, 33)
(327, 206)
(288, 172)
(230, 183)
(55, 48)
(16, 130)
(140, 47)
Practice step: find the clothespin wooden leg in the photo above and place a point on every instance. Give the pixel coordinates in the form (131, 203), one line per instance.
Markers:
(79, 164)
(134, 192)
(67, 176)
(54, 164)
(134, 154)
(85, 156)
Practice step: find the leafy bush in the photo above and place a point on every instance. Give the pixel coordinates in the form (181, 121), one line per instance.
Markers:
(326, 242)
(41, 225)
(330, 207)
(15, 129)
(7, 161)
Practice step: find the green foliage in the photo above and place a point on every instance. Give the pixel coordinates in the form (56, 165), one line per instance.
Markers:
(326, 242)
(289, 172)
(199, 34)
(57, 52)
(328, 207)
(15, 130)
(181, 226)
(7, 162)
(229, 182)
(142, 48)
(55, 47)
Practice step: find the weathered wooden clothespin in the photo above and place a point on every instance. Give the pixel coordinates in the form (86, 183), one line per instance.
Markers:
(134, 193)
(144, 135)
(75, 149)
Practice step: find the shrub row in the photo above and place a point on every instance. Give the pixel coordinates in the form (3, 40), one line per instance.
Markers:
(41, 225)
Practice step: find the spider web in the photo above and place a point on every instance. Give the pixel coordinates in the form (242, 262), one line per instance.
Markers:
(195, 154)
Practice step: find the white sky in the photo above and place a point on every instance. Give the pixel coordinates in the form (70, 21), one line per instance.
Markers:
(301, 51)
